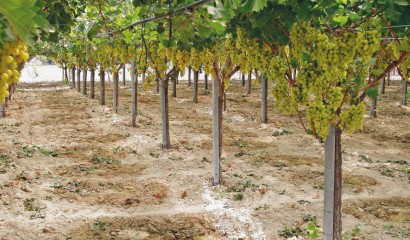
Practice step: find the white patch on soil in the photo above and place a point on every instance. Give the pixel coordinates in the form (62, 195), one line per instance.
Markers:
(238, 118)
(232, 223)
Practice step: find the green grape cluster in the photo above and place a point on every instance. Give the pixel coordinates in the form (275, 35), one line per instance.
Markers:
(286, 96)
(351, 119)
(334, 98)
(12, 57)
(195, 59)
(405, 65)
(319, 118)
(368, 43)
(181, 61)
(328, 65)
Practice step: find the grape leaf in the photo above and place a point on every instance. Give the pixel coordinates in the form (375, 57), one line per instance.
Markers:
(19, 14)
(401, 2)
(404, 46)
(259, 5)
(342, 20)
(95, 29)
(372, 92)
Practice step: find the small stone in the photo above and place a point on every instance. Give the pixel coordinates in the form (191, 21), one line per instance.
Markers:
(48, 230)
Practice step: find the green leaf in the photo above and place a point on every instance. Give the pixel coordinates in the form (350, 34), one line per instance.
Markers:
(20, 16)
(404, 46)
(259, 5)
(372, 92)
(128, 35)
(357, 229)
(305, 57)
(378, 72)
(247, 6)
(294, 63)
(342, 20)
(401, 2)
(95, 29)
(303, 10)
(204, 31)
(218, 27)
(220, 13)
(408, 95)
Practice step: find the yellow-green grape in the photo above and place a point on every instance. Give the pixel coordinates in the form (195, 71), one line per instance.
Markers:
(351, 119)
(12, 58)
(334, 98)
(318, 118)
(367, 44)
(195, 59)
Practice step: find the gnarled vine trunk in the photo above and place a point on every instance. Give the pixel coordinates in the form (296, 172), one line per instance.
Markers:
(78, 79)
(84, 92)
(249, 82)
(73, 77)
(92, 83)
(195, 98)
(102, 86)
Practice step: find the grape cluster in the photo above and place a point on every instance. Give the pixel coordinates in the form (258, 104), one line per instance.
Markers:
(12, 57)
(327, 65)
(351, 119)
(367, 44)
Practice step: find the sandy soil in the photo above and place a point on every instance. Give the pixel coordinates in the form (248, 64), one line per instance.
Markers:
(70, 169)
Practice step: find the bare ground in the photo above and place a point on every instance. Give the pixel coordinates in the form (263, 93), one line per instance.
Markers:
(70, 169)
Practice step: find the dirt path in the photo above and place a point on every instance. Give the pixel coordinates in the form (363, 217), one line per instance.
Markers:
(72, 169)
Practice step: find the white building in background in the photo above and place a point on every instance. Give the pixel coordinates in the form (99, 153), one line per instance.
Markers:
(37, 71)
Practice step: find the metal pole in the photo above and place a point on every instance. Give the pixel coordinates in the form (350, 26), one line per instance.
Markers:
(264, 95)
(328, 213)
(2, 111)
(215, 128)
(404, 100)
(134, 83)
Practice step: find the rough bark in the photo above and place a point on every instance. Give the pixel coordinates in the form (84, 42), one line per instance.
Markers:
(84, 92)
(123, 75)
(249, 82)
(102, 87)
(92, 84)
(66, 73)
(174, 88)
(383, 90)
(73, 77)
(78, 79)
(206, 82)
(189, 76)
(195, 97)
(243, 80)
(224, 101)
